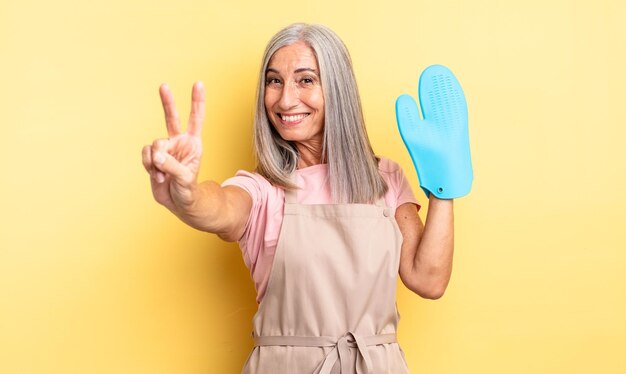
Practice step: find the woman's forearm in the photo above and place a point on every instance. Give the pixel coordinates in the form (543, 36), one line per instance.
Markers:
(216, 209)
(426, 258)
(433, 258)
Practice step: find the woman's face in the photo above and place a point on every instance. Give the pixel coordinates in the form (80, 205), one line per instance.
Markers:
(294, 100)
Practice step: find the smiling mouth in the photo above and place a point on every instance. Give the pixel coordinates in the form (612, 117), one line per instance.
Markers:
(293, 118)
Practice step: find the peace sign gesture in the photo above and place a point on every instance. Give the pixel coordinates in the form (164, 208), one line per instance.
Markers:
(173, 163)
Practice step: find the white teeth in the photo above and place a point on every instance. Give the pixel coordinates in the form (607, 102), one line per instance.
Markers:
(295, 118)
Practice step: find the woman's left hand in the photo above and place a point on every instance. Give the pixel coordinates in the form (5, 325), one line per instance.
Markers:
(438, 144)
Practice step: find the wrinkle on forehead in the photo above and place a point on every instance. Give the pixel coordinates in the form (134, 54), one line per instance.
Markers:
(293, 58)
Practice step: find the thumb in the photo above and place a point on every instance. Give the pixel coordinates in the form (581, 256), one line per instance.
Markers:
(408, 118)
(406, 110)
(170, 166)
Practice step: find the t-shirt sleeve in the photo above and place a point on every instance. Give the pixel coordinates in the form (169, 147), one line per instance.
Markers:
(252, 239)
(405, 192)
(397, 182)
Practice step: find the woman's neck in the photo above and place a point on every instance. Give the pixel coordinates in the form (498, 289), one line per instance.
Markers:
(309, 154)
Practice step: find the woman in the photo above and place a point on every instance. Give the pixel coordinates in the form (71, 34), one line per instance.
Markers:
(315, 221)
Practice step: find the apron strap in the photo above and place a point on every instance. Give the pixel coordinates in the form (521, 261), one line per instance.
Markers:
(339, 354)
(291, 195)
(380, 202)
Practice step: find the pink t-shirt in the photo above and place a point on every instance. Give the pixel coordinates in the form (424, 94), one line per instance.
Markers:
(260, 237)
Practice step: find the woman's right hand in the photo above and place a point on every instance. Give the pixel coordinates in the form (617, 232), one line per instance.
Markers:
(173, 163)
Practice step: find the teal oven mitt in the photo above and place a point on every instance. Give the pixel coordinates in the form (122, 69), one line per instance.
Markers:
(439, 143)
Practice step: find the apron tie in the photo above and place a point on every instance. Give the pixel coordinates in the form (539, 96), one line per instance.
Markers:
(340, 351)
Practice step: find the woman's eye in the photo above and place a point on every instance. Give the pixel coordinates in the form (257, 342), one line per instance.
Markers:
(273, 81)
(306, 81)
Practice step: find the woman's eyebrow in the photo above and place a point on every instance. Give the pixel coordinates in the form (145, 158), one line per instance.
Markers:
(298, 70)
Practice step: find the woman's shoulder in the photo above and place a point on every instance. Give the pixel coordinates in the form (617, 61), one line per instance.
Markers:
(253, 175)
(399, 191)
(254, 183)
(386, 165)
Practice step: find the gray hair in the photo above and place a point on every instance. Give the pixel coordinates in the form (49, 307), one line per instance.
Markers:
(352, 165)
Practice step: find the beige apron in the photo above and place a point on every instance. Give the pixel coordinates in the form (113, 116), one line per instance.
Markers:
(330, 301)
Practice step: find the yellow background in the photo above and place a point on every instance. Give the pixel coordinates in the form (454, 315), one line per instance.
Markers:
(95, 277)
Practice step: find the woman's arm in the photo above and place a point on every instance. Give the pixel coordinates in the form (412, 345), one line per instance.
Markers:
(173, 165)
(426, 257)
(439, 147)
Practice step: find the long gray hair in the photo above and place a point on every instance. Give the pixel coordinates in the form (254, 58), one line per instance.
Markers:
(352, 165)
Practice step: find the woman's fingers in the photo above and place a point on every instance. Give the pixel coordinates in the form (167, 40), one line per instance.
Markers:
(159, 147)
(172, 121)
(146, 158)
(167, 164)
(157, 158)
(196, 117)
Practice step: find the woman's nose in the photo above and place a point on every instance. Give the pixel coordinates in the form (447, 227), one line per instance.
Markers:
(289, 96)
